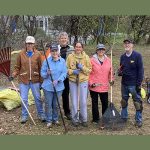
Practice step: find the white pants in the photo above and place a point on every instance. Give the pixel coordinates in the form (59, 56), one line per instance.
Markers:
(82, 100)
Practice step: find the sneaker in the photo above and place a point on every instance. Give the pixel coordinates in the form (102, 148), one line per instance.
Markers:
(75, 124)
(138, 124)
(84, 124)
(68, 116)
(23, 120)
(57, 123)
(49, 125)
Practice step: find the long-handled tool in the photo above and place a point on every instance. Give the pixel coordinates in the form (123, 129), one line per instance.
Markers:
(54, 90)
(78, 115)
(111, 119)
(5, 59)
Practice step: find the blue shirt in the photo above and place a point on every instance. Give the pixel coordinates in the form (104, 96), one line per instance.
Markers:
(58, 71)
(132, 69)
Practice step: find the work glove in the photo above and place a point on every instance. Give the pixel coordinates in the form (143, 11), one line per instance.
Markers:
(79, 66)
(10, 78)
(138, 88)
(55, 82)
(111, 83)
(76, 72)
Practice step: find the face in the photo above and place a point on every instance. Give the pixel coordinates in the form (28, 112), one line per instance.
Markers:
(128, 46)
(63, 41)
(55, 54)
(29, 46)
(100, 52)
(78, 48)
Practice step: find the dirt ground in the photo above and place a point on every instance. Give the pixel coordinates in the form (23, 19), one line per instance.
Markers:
(10, 120)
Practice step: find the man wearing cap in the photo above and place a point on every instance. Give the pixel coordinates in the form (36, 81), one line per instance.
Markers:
(27, 68)
(132, 72)
(58, 71)
(99, 80)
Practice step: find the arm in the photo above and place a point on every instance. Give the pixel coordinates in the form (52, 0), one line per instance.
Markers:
(140, 70)
(64, 73)
(88, 67)
(70, 71)
(44, 69)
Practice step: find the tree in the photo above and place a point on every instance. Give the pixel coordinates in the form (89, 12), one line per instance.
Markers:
(30, 23)
(7, 28)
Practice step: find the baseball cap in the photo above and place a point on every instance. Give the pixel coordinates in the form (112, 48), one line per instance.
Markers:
(54, 47)
(30, 39)
(129, 40)
(100, 46)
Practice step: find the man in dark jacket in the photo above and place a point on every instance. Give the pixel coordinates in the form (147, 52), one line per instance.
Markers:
(65, 49)
(132, 71)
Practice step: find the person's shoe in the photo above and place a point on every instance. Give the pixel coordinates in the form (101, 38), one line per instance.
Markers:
(138, 124)
(57, 123)
(42, 118)
(102, 126)
(68, 116)
(49, 125)
(75, 124)
(84, 124)
(95, 122)
(24, 120)
(124, 120)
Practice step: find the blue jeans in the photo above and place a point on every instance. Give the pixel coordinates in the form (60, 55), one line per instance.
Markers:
(125, 90)
(24, 91)
(51, 106)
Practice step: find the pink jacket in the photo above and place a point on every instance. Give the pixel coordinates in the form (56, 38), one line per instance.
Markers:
(100, 74)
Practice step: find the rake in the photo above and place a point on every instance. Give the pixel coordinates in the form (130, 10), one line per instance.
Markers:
(5, 61)
(111, 119)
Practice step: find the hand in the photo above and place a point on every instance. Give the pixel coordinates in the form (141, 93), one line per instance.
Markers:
(79, 66)
(111, 83)
(55, 82)
(10, 78)
(48, 71)
(93, 85)
(119, 71)
(138, 89)
(76, 72)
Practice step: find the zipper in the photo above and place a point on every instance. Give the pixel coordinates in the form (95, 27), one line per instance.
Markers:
(30, 67)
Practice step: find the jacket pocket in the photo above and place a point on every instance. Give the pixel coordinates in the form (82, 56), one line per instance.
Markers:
(23, 73)
(36, 73)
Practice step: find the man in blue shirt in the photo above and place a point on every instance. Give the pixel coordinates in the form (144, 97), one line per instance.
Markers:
(132, 72)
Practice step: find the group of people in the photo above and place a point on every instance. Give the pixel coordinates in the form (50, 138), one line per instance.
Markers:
(68, 69)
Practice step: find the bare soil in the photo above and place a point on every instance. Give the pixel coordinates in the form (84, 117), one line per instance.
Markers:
(10, 120)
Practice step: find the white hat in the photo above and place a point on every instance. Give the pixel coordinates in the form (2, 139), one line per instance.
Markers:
(30, 39)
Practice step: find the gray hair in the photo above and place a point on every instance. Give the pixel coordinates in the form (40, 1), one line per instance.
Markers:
(62, 34)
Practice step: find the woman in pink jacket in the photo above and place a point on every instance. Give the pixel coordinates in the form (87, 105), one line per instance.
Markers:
(99, 81)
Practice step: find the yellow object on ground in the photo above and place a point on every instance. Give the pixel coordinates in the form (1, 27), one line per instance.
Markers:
(10, 99)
